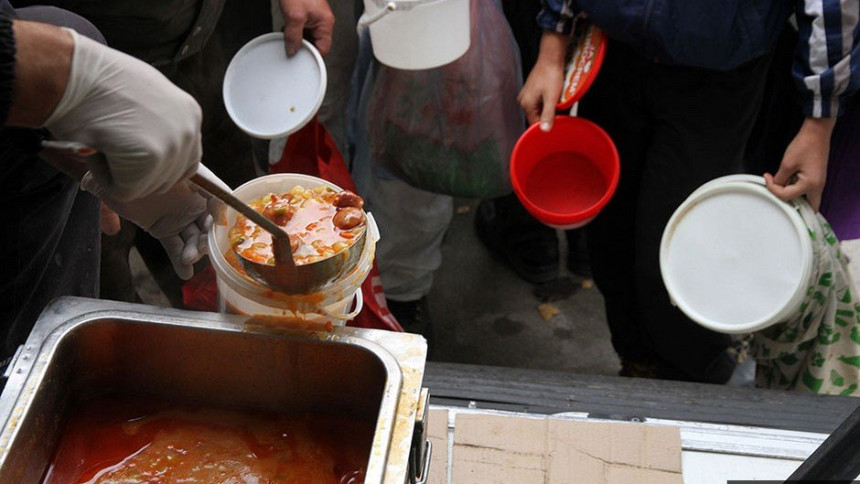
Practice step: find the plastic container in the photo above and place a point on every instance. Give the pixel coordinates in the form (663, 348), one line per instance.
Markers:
(269, 95)
(735, 258)
(240, 294)
(417, 34)
(586, 52)
(564, 177)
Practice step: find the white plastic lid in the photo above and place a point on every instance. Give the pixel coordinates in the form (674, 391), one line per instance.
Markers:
(734, 258)
(269, 95)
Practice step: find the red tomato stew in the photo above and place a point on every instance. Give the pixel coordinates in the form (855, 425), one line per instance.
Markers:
(320, 222)
(124, 439)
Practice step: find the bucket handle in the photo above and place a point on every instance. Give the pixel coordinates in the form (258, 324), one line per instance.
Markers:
(365, 19)
(359, 304)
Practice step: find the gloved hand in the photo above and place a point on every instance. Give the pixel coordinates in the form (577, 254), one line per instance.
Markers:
(147, 129)
(179, 218)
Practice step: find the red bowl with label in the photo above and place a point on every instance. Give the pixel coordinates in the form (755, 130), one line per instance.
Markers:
(564, 177)
(585, 55)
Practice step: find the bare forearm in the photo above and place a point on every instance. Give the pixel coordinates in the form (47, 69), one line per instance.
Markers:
(553, 47)
(42, 64)
(821, 128)
(803, 170)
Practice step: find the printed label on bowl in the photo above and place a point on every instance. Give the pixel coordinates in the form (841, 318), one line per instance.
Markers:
(584, 58)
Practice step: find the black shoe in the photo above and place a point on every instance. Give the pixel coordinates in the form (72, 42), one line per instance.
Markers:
(638, 369)
(526, 245)
(413, 316)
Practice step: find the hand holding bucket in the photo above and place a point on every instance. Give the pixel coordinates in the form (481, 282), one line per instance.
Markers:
(566, 175)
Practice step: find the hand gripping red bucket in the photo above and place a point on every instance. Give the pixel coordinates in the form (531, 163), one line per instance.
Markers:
(564, 177)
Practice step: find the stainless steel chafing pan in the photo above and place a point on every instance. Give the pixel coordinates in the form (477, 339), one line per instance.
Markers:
(82, 347)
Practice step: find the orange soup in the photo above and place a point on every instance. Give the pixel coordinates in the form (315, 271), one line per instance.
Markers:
(319, 221)
(125, 439)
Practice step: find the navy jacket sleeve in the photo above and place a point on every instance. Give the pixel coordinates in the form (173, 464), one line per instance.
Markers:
(556, 16)
(828, 61)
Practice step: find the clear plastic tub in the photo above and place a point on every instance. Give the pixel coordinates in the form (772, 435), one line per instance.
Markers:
(240, 294)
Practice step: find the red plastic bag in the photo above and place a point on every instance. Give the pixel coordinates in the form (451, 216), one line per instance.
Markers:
(201, 291)
(312, 151)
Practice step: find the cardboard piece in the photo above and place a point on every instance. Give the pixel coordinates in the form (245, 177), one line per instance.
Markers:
(503, 448)
(437, 434)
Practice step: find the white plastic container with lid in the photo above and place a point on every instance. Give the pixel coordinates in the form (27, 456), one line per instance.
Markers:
(240, 294)
(417, 34)
(735, 258)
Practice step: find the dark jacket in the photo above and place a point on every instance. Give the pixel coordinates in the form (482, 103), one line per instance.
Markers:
(723, 34)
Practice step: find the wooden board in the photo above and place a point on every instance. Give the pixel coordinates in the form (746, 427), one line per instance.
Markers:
(547, 392)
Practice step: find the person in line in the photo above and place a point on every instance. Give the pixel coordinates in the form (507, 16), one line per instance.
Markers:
(58, 84)
(678, 92)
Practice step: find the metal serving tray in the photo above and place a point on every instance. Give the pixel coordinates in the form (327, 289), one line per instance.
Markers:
(81, 348)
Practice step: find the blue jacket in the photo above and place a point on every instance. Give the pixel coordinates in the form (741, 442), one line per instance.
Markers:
(723, 34)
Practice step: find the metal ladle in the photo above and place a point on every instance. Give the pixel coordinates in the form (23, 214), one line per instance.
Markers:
(285, 276)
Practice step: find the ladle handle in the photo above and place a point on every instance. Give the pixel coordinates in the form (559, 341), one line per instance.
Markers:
(280, 240)
(215, 190)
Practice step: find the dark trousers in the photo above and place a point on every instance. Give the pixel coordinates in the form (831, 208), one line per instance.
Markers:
(675, 128)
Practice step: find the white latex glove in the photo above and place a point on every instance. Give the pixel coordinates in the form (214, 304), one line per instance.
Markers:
(179, 218)
(147, 128)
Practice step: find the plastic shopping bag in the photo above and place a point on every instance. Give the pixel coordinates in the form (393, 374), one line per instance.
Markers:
(451, 130)
(818, 350)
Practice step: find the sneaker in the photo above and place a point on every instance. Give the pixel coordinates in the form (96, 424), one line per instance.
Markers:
(526, 245)
(413, 316)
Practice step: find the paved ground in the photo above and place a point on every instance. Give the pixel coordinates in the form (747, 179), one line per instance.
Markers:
(485, 314)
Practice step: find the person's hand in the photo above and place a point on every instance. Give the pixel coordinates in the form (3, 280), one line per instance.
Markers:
(109, 221)
(542, 90)
(803, 170)
(179, 218)
(312, 15)
(147, 129)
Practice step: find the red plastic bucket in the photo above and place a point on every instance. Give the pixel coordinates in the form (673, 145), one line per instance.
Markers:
(564, 177)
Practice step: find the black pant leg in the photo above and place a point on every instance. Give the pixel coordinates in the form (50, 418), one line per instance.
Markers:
(50, 246)
(701, 121)
(614, 103)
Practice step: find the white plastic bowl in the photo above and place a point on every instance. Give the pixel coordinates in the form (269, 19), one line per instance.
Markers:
(269, 95)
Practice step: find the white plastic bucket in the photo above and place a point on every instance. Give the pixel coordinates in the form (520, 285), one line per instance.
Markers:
(240, 294)
(417, 34)
(735, 258)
